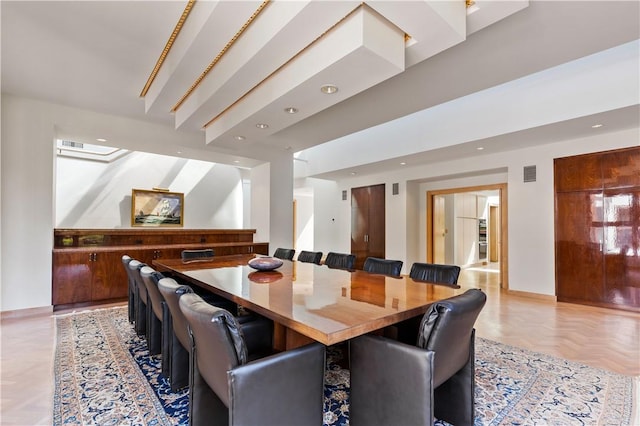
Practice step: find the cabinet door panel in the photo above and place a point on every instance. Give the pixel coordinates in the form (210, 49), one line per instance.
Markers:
(621, 169)
(622, 247)
(579, 243)
(578, 173)
(109, 279)
(71, 281)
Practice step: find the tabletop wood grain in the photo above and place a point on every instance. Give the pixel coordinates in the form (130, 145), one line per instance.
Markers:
(326, 305)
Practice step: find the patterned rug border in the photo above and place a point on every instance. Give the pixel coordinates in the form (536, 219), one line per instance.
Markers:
(634, 411)
(514, 402)
(134, 376)
(554, 357)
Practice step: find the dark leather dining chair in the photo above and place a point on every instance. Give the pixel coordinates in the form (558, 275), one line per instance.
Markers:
(310, 256)
(197, 255)
(393, 383)
(285, 254)
(140, 323)
(340, 260)
(233, 383)
(177, 341)
(435, 273)
(407, 330)
(131, 289)
(155, 301)
(389, 267)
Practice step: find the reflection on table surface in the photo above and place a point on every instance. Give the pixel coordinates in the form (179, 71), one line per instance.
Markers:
(326, 305)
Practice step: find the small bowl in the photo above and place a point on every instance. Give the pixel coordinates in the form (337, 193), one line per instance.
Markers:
(265, 263)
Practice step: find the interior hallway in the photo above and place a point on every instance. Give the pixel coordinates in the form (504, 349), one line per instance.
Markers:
(599, 337)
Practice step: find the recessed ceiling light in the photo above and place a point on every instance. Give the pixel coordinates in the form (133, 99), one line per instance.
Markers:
(262, 125)
(290, 110)
(329, 89)
(596, 126)
(353, 173)
(101, 140)
(236, 161)
(179, 152)
(403, 164)
(480, 148)
(239, 138)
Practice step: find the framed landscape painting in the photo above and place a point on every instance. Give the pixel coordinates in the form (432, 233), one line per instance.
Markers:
(156, 208)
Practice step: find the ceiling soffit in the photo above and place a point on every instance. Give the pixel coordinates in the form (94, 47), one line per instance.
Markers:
(231, 65)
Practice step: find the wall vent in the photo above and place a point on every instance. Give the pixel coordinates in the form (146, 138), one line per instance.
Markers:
(529, 174)
(344, 195)
(395, 189)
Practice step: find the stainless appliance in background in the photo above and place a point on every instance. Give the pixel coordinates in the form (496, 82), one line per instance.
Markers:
(482, 240)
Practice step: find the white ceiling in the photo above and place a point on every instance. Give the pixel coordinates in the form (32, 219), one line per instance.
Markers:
(97, 55)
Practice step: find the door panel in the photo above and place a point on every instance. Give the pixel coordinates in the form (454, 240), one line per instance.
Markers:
(439, 229)
(622, 247)
(579, 243)
(367, 223)
(359, 223)
(376, 235)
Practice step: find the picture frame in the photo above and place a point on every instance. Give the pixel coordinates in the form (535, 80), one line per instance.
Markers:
(157, 208)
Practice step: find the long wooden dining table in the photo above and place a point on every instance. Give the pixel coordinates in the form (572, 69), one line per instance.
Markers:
(310, 302)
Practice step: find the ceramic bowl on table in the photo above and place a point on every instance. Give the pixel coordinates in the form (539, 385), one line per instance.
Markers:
(265, 263)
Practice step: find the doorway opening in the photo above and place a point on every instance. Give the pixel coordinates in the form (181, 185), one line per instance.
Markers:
(468, 227)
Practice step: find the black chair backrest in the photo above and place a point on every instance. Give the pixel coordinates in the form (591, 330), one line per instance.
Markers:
(434, 273)
(389, 267)
(340, 260)
(150, 278)
(446, 329)
(172, 292)
(286, 254)
(218, 342)
(134, 267)
(200, 254)
(310, 256)
(126, 259)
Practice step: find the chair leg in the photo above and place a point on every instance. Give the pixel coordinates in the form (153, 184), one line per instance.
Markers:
(454, 399)
(141, 317)
(167, 331)
(131, 304)
(154, 333)
(179, 369)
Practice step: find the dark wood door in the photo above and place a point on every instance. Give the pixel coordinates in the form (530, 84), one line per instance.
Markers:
(367, 223)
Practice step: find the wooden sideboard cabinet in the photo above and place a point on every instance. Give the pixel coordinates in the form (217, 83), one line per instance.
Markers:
(87, 263)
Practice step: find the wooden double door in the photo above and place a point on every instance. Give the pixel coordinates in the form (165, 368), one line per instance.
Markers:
(598, 229)
(367, 223)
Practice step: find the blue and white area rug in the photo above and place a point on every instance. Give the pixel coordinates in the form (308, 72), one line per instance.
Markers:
(104, 375)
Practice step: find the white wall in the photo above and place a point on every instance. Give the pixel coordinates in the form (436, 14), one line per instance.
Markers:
(328, 223)
(91, 194)
(29, 131)
(27, 206)
(530, 205)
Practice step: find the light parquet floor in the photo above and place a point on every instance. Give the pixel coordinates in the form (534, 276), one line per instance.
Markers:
(602, 338)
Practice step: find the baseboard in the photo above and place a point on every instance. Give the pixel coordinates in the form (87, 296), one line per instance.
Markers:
(547, 297)
(25, 313)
